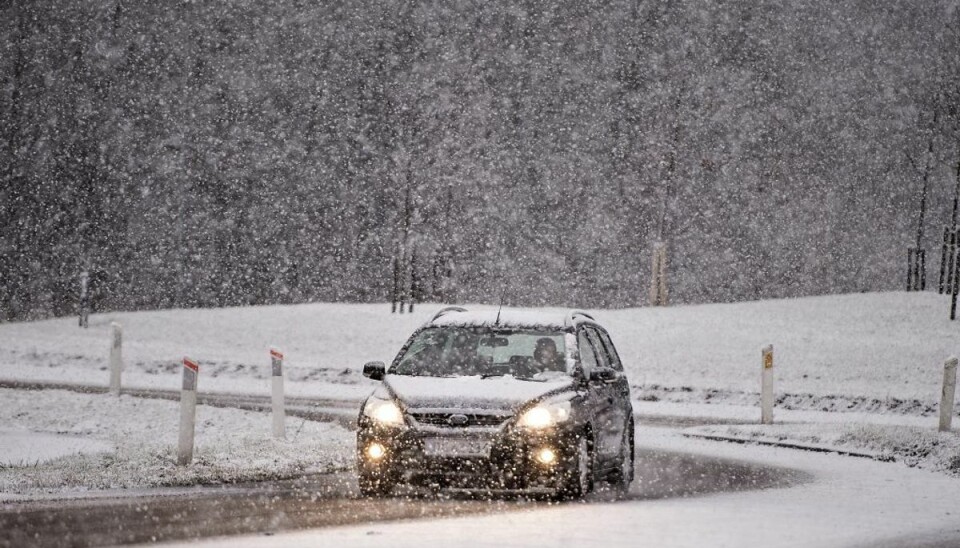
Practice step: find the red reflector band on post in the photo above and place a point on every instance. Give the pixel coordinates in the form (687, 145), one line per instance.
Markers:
(191, 370)
(276, 362)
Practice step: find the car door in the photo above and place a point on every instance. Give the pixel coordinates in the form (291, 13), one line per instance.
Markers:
(621, 387)
(609, 426)
(596, 394)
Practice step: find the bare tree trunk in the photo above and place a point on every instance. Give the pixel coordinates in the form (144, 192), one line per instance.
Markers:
(395, 293)
(414, 282)
(658, 276)
(947, 271)
(954, 281)
(436, 292)
(443, 269)
(943, 260)
(923, 193)
(402, 287)
(956, 195)
(917, 276)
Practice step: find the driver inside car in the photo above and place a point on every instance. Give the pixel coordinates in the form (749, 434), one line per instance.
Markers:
(463, 354)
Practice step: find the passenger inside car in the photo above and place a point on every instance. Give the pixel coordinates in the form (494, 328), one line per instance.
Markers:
(546, 357)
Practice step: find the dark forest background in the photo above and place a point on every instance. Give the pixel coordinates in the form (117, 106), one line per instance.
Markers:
(240, 151)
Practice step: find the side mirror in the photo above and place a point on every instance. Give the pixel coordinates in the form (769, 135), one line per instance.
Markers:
(604, 375)
(374, 370)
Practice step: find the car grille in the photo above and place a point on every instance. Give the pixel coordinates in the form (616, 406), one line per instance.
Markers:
(443, 419)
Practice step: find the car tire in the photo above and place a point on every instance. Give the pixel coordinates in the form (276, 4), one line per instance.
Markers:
(623, 476)
(578, 476)
(374, 485)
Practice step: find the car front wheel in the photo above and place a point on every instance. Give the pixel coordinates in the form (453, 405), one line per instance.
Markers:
(578, 477)
(623, 476)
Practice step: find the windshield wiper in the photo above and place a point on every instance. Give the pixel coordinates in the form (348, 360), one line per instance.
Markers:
(489, 375)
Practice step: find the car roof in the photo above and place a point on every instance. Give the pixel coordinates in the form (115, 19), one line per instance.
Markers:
(455, 316)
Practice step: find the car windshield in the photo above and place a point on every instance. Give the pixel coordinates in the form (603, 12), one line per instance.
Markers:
(462, 351)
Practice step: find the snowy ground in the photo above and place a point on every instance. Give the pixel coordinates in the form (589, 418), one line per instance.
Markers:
(24, 448)
(850, 501)
(914, 446)
(872, 352)
(102, 441)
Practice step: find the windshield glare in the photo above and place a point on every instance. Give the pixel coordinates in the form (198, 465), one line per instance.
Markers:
(460, 351)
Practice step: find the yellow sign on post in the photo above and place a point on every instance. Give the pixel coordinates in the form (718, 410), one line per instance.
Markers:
(766, 386)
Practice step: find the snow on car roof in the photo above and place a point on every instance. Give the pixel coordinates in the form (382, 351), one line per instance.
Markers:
(508, 318)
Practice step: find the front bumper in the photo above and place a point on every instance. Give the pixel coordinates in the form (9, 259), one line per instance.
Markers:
(512, 461)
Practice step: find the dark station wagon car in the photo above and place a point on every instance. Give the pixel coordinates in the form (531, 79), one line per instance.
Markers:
(511, 400)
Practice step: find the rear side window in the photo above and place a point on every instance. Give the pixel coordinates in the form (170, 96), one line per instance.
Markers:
(602, 359)
(588, 359)
(612, 355)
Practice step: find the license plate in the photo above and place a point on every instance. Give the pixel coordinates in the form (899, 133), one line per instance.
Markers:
(456, 447)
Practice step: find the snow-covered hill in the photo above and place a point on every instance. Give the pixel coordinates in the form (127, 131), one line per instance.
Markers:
(861, 347)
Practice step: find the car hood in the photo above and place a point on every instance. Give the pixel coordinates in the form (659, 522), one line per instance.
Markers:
(476, 393)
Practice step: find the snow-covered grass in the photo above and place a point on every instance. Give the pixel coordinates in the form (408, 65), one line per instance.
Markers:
(23, 448)
(913, 446)
(231, 445)
(863, 352)
(325, 346)
(874, 345)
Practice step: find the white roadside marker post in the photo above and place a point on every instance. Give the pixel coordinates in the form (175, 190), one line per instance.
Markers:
(188, 411)
(279, 414)
(116, 357)
(766, 386)
(949, 392)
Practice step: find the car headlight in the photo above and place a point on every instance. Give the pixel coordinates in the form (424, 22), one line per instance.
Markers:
(385, 412)
(545, 415)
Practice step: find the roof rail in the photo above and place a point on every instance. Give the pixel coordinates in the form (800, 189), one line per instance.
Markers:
(575, 313)
(446, 310)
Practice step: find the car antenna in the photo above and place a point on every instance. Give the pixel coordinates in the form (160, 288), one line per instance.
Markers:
(502, 295)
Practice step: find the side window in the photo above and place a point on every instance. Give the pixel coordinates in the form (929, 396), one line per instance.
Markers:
(602, 358)
(611, 350)
(587, 357)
